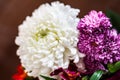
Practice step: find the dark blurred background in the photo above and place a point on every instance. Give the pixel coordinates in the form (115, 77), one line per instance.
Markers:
(13, 12)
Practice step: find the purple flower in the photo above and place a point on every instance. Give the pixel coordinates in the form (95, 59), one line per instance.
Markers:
(95, 19)
(98, 41)
(92, 65)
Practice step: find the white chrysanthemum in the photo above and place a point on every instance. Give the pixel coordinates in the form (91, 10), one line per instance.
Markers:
(48, 39)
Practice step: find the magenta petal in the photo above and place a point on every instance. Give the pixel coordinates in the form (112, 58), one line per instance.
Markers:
(64, 76)
(57, 71)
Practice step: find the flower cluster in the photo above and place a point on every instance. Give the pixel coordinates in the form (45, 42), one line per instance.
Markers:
(54, 44)
(98, 41)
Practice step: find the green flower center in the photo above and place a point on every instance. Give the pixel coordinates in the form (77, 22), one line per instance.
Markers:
(42, 33)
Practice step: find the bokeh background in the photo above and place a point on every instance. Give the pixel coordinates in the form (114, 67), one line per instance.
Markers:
(13, 12)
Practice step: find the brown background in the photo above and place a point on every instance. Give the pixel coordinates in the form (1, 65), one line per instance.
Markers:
(13, 12)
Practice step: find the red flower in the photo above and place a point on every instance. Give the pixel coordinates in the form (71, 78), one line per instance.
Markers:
(21, 75)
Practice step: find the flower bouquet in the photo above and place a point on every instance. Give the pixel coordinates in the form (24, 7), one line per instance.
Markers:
(54, 44)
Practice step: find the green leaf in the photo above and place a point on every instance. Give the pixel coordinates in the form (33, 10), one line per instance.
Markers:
(114, 18)
(96, 75)
(110, 68)
(114, 67)
(85, 78)
(47, 78)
